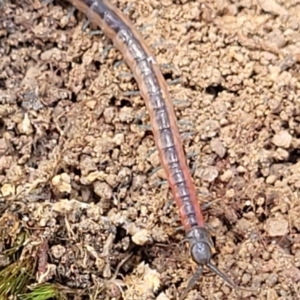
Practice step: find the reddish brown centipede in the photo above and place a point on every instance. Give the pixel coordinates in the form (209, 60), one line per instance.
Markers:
(154, 90)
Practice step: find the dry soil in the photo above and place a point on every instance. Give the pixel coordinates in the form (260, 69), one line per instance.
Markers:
(79, 168)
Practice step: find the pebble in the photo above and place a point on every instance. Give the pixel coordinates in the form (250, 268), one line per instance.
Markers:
(7, 190)
(281, 154)
(283, 139)
(272, 279)
(162, 296)
(62, 182)
(58, 251)
(119, 139)
(208, 174)
(3, 146)
(217, 147)
(227, 175)
(277, 227)
(141, 237)
(103, 190)
(25, 126)
(271, 179)
(109, 114)
(293, 273)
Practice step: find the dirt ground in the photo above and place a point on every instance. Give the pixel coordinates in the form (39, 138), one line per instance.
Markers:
(79, 170)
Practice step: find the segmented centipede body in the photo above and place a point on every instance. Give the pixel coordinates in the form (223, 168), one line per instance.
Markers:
(154, 91)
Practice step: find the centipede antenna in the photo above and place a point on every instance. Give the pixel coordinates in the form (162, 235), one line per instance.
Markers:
(192, 282)
(214, 269)
(131, 93)
(85, 25)
(71, 12)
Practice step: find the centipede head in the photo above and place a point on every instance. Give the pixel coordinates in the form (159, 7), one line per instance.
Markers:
(201, 252)
(200, 245)
(200, 249)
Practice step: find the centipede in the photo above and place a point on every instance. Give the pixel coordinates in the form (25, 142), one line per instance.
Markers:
(154, 90)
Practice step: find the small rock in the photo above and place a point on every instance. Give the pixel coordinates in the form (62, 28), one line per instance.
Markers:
(3, 146)
(138, 181)
(25, 126)
(282, 139)
(277, 227)
(64, 21)
(243, 225)
(53, 53)
(293, 273)
(103, 190)
(109, 113)
(126, 115)
(271, 280)
(208, 174)
(271, 179)
(260, 201)
(7, 190)
(162, 296)
(217, 147)
(141, 237)
(58, 251)
(281, 154)
(91, 104)
(230, 193)
(272, 294)
(209, 129)
(241, 169)
(62, 182)
(150, 278)
(227, 175)
(274, 72)
(91, 177)
(119, 139)
(246, 279)
(272, 7)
